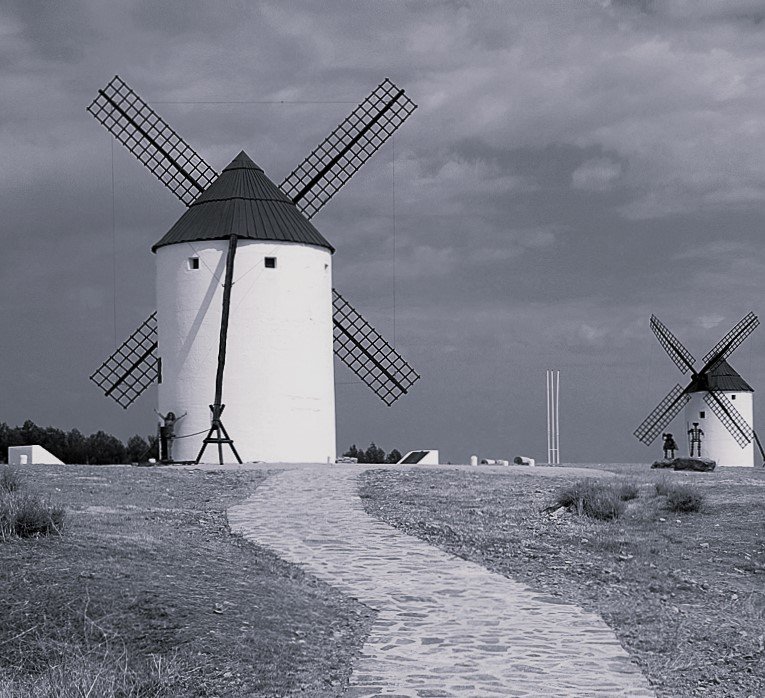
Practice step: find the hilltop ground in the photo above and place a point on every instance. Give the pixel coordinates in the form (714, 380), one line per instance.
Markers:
(685, 592)
(148, 594)
(147, 590)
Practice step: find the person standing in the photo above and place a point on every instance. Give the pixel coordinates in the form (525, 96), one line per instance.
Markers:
(167, 434)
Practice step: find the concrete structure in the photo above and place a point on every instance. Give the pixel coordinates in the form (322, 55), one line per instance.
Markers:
(278, 384)
(420, 457)
(31, 455)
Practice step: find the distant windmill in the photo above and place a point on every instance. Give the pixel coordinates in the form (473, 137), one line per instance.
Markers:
(271, 325)
(709, 398)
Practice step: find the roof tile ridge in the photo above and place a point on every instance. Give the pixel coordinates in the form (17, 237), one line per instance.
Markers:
(285, 200)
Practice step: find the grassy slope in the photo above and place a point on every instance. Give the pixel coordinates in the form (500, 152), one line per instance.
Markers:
(685, 595)
(148, 593)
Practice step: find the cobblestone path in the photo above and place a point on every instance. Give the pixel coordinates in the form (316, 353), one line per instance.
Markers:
(444, 626)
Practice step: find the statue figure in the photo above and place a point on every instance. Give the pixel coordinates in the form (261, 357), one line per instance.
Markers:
(695, 434)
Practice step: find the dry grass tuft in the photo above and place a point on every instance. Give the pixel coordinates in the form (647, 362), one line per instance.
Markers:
(598, 500)
(9, 480)
(628, 490)
(684, 498)
(663, 485)
(103, 671)
(25, 515)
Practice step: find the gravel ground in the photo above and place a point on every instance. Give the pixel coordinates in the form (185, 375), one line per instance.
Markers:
(685, 593)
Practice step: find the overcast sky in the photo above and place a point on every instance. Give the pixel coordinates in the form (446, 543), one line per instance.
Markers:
(572, 168)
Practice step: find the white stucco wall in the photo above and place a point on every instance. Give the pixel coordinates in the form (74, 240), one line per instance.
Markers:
(717, 443)
(29, 455)
(278, 385)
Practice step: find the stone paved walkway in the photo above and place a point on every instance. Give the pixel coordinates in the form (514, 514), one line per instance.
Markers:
(444, 626)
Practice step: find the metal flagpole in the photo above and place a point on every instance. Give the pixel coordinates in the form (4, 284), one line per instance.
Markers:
(547, 396)
(557, 431)
(553, 431)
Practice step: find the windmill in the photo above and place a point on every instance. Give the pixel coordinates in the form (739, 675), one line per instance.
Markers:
(244, 290)
(709, 398)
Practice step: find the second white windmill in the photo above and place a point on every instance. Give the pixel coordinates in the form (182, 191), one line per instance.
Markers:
(717, 401)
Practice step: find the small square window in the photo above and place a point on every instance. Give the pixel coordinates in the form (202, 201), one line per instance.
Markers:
(702, 414)
(270, 262)
(732, 397)
(193, 262)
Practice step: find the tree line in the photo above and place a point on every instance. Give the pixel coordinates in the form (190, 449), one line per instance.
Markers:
(103, 449)
(373, 454)
(74, 447)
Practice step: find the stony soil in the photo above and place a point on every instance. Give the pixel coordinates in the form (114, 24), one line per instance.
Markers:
(684, 593)
(148, 592)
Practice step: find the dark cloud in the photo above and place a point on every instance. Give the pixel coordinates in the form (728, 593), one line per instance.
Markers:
(571, 168)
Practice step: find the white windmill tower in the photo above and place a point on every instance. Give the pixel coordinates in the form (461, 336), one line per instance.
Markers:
(244, 291)
(717, 399)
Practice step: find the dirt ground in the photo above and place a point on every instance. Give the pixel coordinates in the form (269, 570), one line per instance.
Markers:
(685, 593)
(147, 593)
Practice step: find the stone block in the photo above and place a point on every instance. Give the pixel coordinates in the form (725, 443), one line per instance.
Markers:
(699, 465)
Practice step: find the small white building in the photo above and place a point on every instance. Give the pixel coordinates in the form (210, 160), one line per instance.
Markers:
(717, 441)
(31, 455)
(278, 383)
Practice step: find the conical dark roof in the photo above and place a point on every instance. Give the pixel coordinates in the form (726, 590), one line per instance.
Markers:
(721, 377)
(242, 201)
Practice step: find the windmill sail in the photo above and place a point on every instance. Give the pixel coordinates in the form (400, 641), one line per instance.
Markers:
(368, 355)
(662, 415)
(730, 417)
(310, 186)
(145, 134)
(731, 341)
(340, 155)
(133, 367)
(677, 352)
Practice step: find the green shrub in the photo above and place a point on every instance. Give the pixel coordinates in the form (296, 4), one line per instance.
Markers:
(592, 498)
(684, 498)
(27, 515)
(9, 480)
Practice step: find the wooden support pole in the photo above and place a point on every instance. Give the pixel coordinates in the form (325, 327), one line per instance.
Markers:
(221, 435)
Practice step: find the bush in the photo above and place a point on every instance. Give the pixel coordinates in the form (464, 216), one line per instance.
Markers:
(628, 490)
(27, 515)
(591, 498)
(9, 480)
(684, 498)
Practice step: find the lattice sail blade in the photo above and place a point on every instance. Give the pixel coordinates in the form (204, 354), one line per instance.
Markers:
(731, 341)
(662, 415)
(368, 355)
(677, 352)
(340, 155)
(133, 367)
(145, 134)
(731, 418)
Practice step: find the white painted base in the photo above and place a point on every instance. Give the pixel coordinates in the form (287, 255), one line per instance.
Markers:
(278, 384)
(717, 443)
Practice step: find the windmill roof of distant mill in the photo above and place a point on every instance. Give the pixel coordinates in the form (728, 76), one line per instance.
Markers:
(243, 201)
(721, 377)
